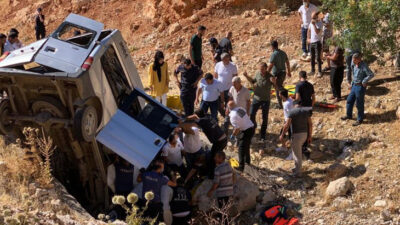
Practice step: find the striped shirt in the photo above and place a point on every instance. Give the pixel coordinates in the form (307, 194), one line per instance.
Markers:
(223, 176)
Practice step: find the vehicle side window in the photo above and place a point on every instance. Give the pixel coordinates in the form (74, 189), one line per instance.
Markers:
(115, 74)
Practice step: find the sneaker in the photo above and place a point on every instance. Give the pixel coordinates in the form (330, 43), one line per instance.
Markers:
(357, 123)
(281, 149)
(304, 55)
(308, 57)
(290, 157)
(319, 75)
(345, 118)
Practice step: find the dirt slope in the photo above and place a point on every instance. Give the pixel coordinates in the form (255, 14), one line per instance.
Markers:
(375, 159)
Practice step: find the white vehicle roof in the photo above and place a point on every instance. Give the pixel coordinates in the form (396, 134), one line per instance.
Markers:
(64, 50)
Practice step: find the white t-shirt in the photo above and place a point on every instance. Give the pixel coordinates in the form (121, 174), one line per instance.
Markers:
(287, 106)
(192, 141)
(315, 36)
(211, 92)
(8, 47)
(306, 14)
(240, 98)
(239, 119)
(225, 74)
(173, 154)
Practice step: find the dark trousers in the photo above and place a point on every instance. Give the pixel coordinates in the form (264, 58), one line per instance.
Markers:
(216, 147)
(187, 99)
(305, 47)
(280, 79)
(181, 220)
(222, 112)
(213, 106)
(199, 63)
(191, 158)
(316, 50)
(337, 74)
(40, 34)
(357, 95)
(255, 106)
(244, 141)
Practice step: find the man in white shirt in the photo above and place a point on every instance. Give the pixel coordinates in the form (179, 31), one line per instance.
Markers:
(243, 131)
(12, 43)
(224, 72)
(315, 38)
(305, 12)
(193, 145)
(172, 153)
(212, 95)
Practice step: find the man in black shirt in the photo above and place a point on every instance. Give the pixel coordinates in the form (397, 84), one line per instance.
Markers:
(226, 43)
(190, 77)
(39, 25)
(216, 50)
(180, 204)
(212, 130)
(305, 91)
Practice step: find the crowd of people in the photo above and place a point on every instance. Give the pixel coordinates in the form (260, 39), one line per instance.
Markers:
(214, 102)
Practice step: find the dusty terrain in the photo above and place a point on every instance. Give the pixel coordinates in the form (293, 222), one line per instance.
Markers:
(374, 161)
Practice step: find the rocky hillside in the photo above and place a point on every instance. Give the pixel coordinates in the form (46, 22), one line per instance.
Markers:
(357, 186)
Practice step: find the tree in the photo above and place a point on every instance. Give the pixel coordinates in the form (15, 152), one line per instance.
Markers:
(371, 24)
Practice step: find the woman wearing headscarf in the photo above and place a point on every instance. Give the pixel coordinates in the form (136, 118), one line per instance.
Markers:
(159, 78)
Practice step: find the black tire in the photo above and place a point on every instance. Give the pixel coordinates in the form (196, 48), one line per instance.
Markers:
(6, 126)
(50, 105)
(85, 123)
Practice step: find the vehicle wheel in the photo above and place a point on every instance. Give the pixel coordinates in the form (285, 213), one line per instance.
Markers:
(50, 105)
(85, 123)
(6, 126)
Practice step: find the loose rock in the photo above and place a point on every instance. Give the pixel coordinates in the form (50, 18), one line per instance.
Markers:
(174, 28)
(336, 171)
(338, 187)
(254, 31)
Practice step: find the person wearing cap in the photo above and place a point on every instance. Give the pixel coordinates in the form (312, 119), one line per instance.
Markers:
(211, 90)
(3, 39)
(243, 131)
(299, 119)
(216, 50)
(190, 77)
(226, 43)
(279, 66)
(361, 75)
(262, 84)
(195, 47)
(314, 38)
(224, 73)
(40, 28)
(305, 12)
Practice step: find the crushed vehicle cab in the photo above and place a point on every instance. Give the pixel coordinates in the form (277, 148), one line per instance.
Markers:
(81, 86)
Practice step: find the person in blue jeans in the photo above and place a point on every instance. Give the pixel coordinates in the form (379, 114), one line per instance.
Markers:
(361, 75)
(212, 91)
(305, 11)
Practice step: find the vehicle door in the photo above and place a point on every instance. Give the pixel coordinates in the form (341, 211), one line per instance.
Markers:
(139, 129)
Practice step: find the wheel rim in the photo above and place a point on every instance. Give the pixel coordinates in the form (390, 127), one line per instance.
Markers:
(89, 122)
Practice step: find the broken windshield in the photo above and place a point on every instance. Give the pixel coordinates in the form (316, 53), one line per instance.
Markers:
(74, 34)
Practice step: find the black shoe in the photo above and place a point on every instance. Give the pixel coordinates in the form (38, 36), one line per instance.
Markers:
(357, 123)
(345, 118)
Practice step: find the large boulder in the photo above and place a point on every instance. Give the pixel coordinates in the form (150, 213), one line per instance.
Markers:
(244, 197)
(339, 187)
